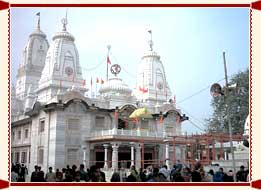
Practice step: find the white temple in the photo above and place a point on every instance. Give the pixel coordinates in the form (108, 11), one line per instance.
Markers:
(54, 122)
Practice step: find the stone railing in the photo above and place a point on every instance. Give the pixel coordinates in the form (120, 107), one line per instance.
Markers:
(124, 132)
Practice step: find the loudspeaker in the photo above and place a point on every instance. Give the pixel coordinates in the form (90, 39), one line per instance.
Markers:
(216, 90)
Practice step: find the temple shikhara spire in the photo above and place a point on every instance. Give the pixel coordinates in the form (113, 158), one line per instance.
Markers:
(152, 85)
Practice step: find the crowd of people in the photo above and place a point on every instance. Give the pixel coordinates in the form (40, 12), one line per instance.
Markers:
(178, 173)
(18, 172)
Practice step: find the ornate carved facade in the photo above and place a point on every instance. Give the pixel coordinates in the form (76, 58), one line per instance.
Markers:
(55, 125)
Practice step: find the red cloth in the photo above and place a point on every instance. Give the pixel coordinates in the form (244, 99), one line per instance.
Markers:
(108, 60)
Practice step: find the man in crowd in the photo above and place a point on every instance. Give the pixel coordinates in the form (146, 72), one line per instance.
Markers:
(241, 175)
(50, 176)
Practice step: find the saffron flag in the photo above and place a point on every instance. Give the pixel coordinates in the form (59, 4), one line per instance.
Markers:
(143, 90)
(140, 113)
(97, 80)
(108, 60)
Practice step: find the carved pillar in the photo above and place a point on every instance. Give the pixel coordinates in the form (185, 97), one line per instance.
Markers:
(88, 154)
(84, 155)
(138, 127)
(105, 156)
(115, 147)
(115, 121)
(138, 156)
(167, 153)
(225, 155)
(132, 154)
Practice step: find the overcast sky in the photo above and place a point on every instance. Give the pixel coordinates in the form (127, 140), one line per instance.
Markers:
(190, 42)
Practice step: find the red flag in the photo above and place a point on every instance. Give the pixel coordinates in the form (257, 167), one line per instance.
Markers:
(161, 119)
(91, 81)
(60, 84)
(108, 60)
(115, 115)
(136, 120)
(125, 123)
(143, 90)
(97, 80)
(102, 81)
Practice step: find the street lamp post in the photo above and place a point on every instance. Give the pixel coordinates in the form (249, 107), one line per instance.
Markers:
(216, 91)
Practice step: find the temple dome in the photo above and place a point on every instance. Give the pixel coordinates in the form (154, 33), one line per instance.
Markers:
(62, 68)
(33, 61)
(63, 35)
(62, 61)
(37, 32)
(151, 78)
(115, 86)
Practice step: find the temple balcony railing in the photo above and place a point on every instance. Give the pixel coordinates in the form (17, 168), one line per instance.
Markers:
(132, 132)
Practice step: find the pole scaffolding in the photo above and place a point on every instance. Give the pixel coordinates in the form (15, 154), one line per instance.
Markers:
(202, 139)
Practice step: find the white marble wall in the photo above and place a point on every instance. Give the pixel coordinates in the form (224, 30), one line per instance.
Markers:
(36, 139)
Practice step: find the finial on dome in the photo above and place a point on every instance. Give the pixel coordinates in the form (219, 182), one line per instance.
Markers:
(109, 48)
(150, 41)
(38, 21)
(65, 21)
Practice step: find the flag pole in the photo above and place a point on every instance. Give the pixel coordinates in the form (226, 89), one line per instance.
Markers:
(91, 87)
(96, 88)
(143, 84)
(107, 72)
(38, 20)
